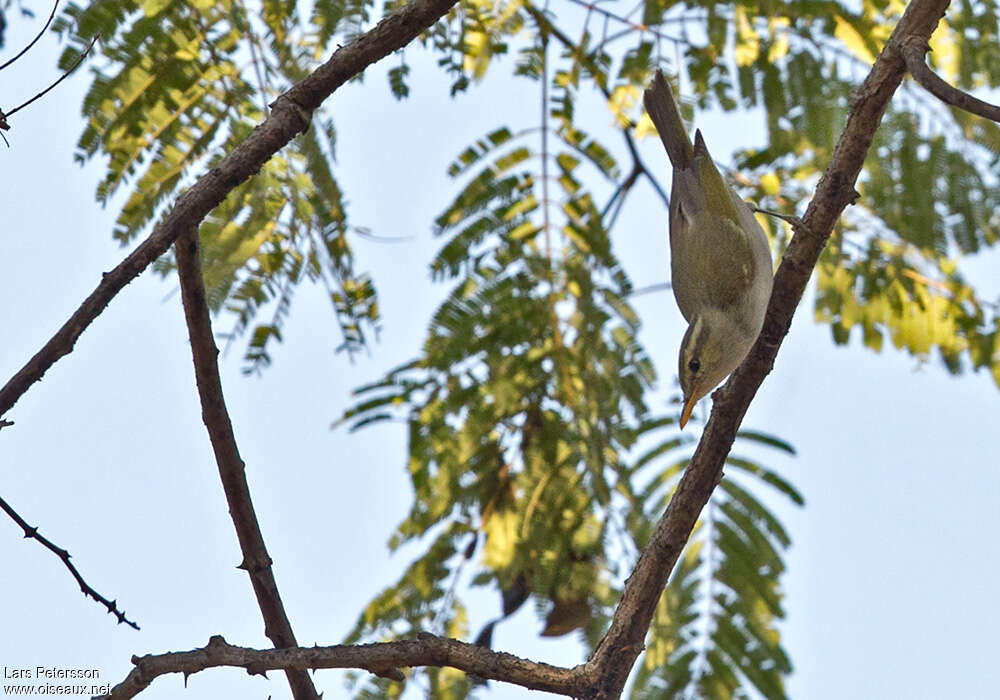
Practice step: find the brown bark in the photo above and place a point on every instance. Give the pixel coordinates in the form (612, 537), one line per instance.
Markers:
(426, 651)
(256, 561)
(914, 53)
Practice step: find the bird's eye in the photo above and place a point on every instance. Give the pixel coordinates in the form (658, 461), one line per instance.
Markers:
(694, 365)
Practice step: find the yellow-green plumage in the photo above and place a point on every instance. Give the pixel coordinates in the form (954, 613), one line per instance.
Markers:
(720, 260)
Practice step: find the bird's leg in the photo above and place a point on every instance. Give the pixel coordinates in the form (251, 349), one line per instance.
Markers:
(794, 221)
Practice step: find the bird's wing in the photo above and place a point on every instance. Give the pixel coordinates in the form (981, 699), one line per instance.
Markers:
(726, 247)
(718, 247)
(712, 256)
(715, 269)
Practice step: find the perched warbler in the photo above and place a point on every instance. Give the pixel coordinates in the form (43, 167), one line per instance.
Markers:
(720, 260)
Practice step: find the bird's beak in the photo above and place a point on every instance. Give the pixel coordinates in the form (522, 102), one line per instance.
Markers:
(688, 407)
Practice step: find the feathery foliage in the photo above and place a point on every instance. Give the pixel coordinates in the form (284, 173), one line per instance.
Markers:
(180, 85)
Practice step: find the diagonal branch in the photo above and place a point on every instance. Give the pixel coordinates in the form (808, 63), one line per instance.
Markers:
(914, 51)
(288, 117)
(32, 533)
(428, 650)
(256, 560)
(617, 652)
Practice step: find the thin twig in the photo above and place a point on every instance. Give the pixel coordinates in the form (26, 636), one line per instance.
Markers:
(25, 50)
(544, 24)
(546, 224)
(217, 61)
(627, 22)
(232, 471)
(255, 48)
(703, 640)
(914, 50)
(287, 118)
(58, 80)
(617, 201)
(32, 533)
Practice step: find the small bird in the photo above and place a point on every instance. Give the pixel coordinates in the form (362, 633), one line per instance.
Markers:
(720, 260)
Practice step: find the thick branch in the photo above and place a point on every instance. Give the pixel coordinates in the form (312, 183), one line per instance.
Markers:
(288, 117)
(617, 652)
(426, 651)
(256, 560)
(32, 533)
(914, 51)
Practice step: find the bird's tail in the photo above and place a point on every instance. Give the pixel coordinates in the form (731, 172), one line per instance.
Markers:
(659, 102)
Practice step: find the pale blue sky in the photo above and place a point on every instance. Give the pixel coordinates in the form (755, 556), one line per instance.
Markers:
(891, 581)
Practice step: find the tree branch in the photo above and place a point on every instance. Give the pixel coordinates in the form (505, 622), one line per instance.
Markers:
(288, 117)
(914, 50)
(428, 650)
(32, 533)
(617, 652)
(232, 472)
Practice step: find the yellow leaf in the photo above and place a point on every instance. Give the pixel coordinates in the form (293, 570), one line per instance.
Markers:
(895, 9)
(154, 7)
(854, 42)
(747, 39)
(501, 539)
(944, 52)
(778, 48)
(477, 53)
(526, 229)
(777, 28)
(622, 99)
(645, 127)
(770, 183)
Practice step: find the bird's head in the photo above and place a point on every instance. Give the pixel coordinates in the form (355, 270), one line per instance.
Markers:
(713, 346)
